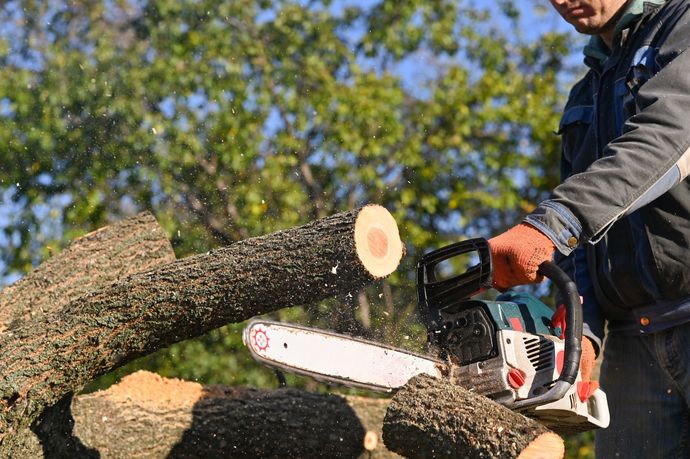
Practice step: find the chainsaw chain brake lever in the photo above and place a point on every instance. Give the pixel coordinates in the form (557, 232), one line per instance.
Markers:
(436, 291)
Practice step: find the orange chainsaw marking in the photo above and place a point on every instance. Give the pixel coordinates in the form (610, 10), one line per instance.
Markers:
(516, 324)
(516, 378)
(559, 361)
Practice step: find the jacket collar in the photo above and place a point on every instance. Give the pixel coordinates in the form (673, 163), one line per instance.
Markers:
(596, 52)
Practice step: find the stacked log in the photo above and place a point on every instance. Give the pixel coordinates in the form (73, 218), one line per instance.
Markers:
(125, 315)
(118, 294)
(148, 416)
(430, 418)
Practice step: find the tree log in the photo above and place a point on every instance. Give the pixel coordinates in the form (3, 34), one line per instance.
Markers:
(92, 261)
(146, 416)
(430, 418)
(51, 356)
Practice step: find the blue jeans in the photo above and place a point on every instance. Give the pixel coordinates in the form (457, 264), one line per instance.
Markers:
(647, 381)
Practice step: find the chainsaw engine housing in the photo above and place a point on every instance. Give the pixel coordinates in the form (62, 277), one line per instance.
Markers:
(504, 349)
(465, 332)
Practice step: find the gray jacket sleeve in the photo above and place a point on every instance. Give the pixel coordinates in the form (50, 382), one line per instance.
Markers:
(649, 158)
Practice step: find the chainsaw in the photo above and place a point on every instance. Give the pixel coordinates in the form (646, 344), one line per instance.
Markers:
(507, 349)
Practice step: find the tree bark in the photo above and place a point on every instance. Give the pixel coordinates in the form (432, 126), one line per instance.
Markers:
(48, 357)
(430, 418)
(92, 261)
(146, 416)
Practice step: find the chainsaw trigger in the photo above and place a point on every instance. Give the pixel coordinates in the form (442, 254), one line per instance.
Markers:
(585, 389)
(558, 321)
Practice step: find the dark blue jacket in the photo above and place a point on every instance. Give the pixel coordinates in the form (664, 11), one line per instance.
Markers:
(621, 216)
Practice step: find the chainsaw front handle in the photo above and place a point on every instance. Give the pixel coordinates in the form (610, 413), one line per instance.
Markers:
(436, 292)
(573, 336)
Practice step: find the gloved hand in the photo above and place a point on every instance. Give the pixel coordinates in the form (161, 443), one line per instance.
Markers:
(517, 254)
(585, 387)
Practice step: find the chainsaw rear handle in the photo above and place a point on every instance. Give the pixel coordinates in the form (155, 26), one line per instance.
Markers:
(434, 294)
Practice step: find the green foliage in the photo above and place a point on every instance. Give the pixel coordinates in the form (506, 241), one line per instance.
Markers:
(580, 446)
(235, 119)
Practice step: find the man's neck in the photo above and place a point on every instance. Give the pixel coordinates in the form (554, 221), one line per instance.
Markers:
(608, 33)
(607, 38)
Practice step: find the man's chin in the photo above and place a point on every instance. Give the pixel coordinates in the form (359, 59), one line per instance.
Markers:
(587, 28)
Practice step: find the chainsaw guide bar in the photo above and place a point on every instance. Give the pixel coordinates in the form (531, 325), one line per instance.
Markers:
(298, 349)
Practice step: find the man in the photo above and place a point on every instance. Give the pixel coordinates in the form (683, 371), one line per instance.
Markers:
(619, 223)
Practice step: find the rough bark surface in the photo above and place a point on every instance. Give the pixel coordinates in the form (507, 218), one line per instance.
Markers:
(429, 418)
(146, 416)
(50, 356)
(92, 261)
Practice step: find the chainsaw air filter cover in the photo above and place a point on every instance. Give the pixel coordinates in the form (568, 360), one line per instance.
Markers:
(467, 334)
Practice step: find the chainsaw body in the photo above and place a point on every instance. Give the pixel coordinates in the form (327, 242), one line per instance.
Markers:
(506, 349)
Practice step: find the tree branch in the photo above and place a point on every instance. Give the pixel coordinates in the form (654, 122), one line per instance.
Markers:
(47, 358)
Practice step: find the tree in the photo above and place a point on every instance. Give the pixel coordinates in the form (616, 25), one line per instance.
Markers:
(234, 119)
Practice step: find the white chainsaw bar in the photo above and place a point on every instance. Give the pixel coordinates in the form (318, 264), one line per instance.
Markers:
(299, 349)
(342, 359)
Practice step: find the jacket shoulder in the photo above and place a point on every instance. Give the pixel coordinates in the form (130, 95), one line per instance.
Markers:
(671, 25)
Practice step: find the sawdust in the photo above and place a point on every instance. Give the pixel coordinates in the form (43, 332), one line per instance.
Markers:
(154, 392)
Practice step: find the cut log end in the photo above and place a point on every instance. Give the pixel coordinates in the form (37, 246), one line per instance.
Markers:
(546, 446)
(377, 241)
(371, 440)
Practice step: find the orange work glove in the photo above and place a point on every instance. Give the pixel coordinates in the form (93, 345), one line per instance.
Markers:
(586, 386)
(517, 254)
